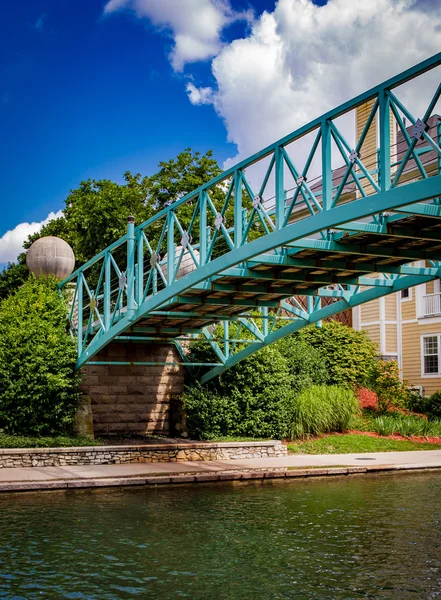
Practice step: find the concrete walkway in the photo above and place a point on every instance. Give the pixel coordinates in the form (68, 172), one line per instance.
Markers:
(294, 465)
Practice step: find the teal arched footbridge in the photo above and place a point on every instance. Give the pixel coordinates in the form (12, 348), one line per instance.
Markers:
(344, 210)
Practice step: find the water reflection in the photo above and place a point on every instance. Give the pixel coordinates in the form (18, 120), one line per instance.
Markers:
(334, 539)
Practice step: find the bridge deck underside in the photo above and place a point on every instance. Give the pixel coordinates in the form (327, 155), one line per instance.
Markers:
(263, 283)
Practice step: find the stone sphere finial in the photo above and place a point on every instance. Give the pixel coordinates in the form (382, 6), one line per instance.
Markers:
(50, 256)
(187, 263)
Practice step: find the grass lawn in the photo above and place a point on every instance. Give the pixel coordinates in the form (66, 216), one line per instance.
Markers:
(353, 443)
(21, 441)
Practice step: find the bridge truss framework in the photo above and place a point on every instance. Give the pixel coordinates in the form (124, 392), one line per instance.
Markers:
(279, 241)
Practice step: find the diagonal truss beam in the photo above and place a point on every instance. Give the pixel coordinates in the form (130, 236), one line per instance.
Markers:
(316, 315)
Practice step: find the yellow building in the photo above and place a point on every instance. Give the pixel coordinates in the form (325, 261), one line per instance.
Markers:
(406, 326)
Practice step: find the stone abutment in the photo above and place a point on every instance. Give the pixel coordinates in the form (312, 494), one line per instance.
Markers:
(121, 399)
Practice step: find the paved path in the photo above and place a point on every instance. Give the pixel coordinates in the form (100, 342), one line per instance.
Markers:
(294, 465)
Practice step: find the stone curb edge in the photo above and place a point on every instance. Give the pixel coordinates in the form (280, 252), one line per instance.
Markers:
(142, 447)
(111, 482)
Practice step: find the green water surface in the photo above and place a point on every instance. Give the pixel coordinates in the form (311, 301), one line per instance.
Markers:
(367, 537)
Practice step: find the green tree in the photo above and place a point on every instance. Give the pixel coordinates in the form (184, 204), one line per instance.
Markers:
(180, 176)
(95, 214)
(12, 277)
(39, 388)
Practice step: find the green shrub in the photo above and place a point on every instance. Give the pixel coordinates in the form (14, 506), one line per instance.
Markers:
(433, 406)
(416, 402)
(252, 399)
(209, 415)
(349, 355)
(427, 405)
(59, 441)
(306, 364)
(323, 409)
(389, 387)
(39, 390)
(255, 397)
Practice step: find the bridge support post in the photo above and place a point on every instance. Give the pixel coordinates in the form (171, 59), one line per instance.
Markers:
(326, 165)
(203, 238)
(130, 267)
(170, 248)
(384, 111)
(280, 191)
(139, 268)
(238, 227)
(80, 314)
(107, 291)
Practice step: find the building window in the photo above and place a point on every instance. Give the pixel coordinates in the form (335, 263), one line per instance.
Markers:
(431, 352)
(405, 294)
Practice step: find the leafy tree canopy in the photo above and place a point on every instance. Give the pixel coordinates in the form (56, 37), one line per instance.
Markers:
(12, 277)
(95, 214)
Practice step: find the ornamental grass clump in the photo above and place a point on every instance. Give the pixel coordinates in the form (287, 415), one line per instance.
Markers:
(384, 425)
(406, 426)
(433, 428)
(323, 409)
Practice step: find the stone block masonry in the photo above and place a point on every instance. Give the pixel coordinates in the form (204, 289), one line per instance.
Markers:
(133, 399)
(148, 453)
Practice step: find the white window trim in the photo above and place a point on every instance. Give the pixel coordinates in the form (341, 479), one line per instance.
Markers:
(420, 292)
(430, 375)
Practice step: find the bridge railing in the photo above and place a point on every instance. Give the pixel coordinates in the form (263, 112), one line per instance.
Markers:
(289, 181)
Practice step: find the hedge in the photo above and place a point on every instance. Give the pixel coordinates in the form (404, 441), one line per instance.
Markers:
(39, 389)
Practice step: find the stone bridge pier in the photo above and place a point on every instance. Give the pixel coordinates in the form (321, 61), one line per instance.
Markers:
(121, 399)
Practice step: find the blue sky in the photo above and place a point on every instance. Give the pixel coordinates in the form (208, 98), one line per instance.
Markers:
(82, 95)
(85, 94)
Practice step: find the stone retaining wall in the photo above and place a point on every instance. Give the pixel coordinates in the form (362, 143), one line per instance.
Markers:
(108, 455)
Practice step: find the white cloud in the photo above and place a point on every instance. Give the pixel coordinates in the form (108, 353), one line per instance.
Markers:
(302, 60)
(11, 243)
(202, 95)
(195, 25)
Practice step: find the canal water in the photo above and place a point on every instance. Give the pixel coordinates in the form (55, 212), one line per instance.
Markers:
(367, 537)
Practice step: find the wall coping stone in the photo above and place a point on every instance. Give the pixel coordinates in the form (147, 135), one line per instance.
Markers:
(143, 447)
